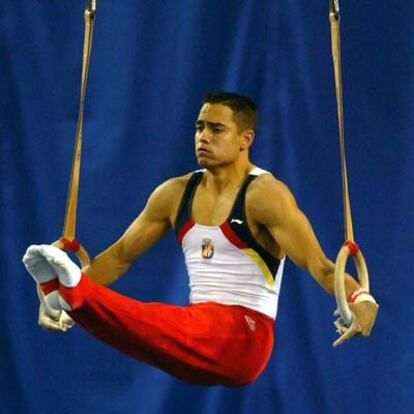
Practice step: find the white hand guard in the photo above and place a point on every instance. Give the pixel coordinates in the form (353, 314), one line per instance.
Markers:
(51, 319)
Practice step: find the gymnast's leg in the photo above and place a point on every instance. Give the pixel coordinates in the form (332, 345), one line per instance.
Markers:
(207, 344)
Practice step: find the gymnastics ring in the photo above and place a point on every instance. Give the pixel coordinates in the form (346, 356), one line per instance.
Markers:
(72, 245)
(349, 248)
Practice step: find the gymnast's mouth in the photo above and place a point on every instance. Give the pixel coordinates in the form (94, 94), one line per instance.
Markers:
(202, 151)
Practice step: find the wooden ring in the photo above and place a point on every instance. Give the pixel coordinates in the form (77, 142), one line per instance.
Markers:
(81, 252)
(340, 291)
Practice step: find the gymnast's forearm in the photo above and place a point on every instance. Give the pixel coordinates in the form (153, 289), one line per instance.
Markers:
(328, 282)
(107, 267)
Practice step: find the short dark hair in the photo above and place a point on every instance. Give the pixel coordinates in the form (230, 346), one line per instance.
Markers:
(244, 109)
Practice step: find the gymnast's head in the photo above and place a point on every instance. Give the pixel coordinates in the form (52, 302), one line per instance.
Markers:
(225, 129)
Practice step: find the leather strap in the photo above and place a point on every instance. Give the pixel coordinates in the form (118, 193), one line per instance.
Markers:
(68, 240)
(69, 227)
(334, 18)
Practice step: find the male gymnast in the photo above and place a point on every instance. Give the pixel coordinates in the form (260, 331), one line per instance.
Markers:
(236, 223)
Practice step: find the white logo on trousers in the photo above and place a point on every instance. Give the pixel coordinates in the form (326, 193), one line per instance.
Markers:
(250, 322)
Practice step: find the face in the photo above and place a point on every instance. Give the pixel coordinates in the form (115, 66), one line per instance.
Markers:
(217, 139)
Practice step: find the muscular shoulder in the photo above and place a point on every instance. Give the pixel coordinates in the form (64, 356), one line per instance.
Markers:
(268, 198)
(172, 187)
(165, 199)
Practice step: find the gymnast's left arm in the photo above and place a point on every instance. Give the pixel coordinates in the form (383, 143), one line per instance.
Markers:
(149, 227)
(275, 208)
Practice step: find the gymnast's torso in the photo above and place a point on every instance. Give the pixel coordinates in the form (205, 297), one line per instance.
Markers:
(226, 260)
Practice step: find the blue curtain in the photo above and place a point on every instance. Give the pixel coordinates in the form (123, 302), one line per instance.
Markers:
(152, 62)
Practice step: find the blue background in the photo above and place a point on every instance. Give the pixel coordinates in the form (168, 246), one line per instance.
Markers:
(152, 61)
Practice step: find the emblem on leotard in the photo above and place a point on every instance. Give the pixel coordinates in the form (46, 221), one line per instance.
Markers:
(207, 249)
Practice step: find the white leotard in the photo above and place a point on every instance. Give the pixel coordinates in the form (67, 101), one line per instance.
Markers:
(225, 264)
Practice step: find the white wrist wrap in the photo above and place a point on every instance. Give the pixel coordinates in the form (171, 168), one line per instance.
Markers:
(365, 297)
(361, 295)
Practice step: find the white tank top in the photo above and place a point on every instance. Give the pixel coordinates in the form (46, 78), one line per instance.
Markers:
(225, 263)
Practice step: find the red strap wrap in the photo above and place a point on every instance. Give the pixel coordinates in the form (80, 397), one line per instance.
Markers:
(49, 286)
(70, 245)
(352, 297)
(353, 247)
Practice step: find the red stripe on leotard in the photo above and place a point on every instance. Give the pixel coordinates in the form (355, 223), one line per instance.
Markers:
(232, 237)
(184, 230)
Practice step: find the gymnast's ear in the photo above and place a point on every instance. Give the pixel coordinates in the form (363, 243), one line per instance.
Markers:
(247, 138)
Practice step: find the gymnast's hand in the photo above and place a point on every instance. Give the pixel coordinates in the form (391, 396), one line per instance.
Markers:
(51, 319)
(364, 314)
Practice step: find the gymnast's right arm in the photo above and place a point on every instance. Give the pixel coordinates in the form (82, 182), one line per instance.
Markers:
(149, 227)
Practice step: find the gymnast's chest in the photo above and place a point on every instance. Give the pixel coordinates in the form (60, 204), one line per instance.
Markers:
(208, 244)
(211, 209)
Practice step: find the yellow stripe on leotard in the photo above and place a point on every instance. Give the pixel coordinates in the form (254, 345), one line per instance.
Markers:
(261, 264)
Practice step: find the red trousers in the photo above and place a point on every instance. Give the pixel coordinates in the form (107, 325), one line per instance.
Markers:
(206, 343)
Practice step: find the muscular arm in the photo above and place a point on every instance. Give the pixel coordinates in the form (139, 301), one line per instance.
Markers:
(149, 227)
(275, 208)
